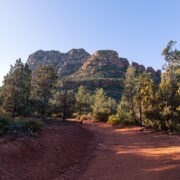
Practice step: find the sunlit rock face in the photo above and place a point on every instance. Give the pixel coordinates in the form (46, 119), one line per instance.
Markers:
(105, 57)
(66, 63)
(102, 64)
(103, 69)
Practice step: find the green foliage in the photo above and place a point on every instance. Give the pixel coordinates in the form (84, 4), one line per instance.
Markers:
(57, 115)
(33, 126)
(63, 102)
(100, 115)
(172, 57)
(128, 102)
(103, 106)
(4, 125)
(12, 126)
(161, 108)
(86, 117)
(145, 94)
(122, 120)
(114, 120)
(15, 92)
(142, 101)
(43, 83)
(83, 101)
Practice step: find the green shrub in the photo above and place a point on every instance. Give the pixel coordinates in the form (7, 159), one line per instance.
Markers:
(76, 116)
(86, 117)
(16, 125)
(122, 120)
(127, 121)
(4, 125)
(57, 115)
(114, 120)
(178, 127)
(100, 116)
(33, 125)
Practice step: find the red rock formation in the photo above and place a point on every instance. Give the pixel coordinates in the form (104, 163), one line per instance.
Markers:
(105, 57)
(137, 66)
(66, 63)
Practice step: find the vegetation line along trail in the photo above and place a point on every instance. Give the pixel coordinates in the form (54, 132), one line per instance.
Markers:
(132, 153)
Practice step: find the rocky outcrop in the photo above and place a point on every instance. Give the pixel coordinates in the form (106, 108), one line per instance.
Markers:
(102, 64)
(105, 57)
(103, 69)
(138, 67)
(66, 63)
(156, 75)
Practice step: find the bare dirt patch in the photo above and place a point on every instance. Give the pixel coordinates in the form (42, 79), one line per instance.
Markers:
(132, 154)
(58, 152)
(92, 151)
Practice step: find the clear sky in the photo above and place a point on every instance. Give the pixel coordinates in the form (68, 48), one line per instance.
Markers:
(137, 29)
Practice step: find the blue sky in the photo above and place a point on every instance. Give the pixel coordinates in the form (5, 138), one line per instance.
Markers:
(137, 29)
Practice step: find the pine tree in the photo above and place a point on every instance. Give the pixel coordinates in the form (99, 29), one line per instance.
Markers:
(168, 95)
(63, 101)
(103, 106)
(145, 94)
(128, 102)
(83, 101)
(16, 88)
(43, 83)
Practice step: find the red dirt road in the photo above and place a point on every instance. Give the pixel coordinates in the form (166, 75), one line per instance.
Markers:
(92, 151)
(132, 154)
(57, 153)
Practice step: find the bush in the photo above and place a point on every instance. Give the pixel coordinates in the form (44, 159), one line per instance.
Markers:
(127, 121)
(16, 125)
(122, 120)
(114, 120)
(100, 116)
(76, 116)
(178, 127)
(4, 125)
(57, 115)
(33, 126)
(85, 117)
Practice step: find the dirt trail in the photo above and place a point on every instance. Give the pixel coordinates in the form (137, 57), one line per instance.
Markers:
(132, 154)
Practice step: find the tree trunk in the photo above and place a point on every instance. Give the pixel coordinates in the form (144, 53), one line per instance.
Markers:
(140, 115)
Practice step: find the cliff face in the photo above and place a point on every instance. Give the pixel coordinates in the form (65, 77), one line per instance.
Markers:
(102, 64)
(103, 69)
(105, 57)
(66, 63)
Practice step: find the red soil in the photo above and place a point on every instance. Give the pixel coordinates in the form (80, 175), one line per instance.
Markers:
(55, 154)
(133, 154)
(61, 153)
